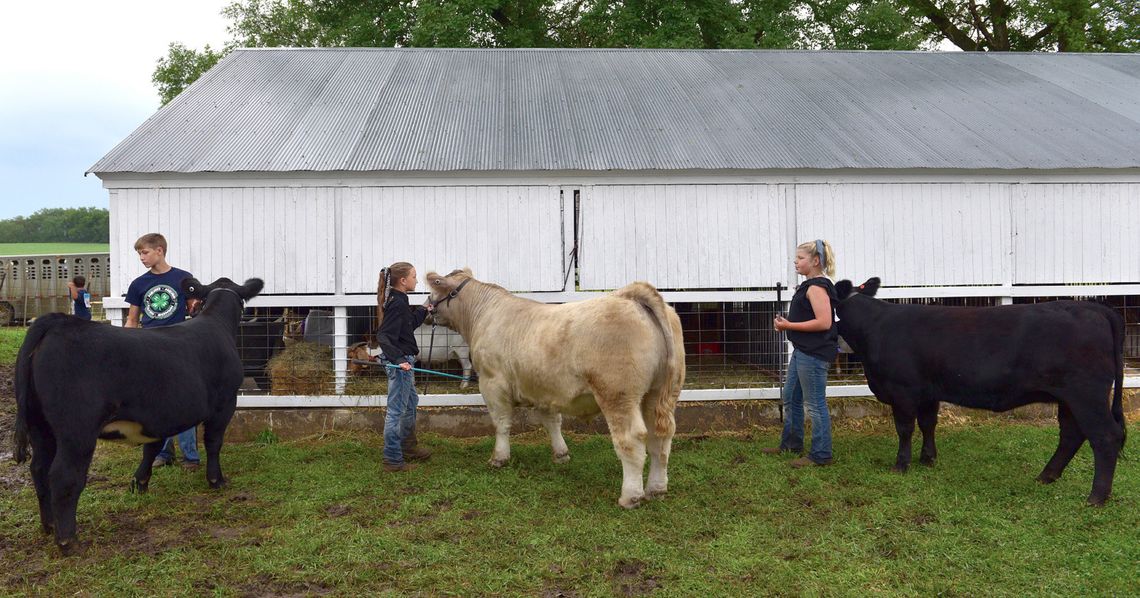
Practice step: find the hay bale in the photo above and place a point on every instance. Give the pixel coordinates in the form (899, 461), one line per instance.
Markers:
(302, 369)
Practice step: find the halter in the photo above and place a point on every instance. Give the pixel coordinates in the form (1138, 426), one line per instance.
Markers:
(452, 294)
(241, 301)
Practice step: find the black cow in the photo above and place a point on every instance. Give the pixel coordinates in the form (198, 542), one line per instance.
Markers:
(997, 358)
(77, 381)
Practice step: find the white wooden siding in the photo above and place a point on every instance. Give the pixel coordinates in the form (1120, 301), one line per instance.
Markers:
(911, 234)
(282, 235)
(1074, 233)
(509, 235)
(684, 236)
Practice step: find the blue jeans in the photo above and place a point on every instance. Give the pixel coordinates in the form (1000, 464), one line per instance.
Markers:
(806, 384)
(187, 443)
(400, 420)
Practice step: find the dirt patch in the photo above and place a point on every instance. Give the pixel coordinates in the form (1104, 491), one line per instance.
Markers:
(12, 476)
(338, 510)
(264, 586)
(472, 514)
(629, 578)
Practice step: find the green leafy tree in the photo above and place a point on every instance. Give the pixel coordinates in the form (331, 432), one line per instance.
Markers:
(1030, 25)
(992, 25)
(180, 67)
(58, 225)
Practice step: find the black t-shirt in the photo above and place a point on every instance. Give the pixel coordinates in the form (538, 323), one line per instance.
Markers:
(821, 345)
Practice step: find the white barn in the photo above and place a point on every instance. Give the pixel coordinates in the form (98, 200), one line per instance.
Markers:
(980, 177)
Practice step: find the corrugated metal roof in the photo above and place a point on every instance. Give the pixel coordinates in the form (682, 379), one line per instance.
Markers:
(445, 110)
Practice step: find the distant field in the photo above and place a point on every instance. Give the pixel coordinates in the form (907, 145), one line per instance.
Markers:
(43, 248)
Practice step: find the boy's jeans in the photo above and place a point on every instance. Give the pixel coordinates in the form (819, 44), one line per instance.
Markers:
(400, 420)
(187, 443)
(807, 383)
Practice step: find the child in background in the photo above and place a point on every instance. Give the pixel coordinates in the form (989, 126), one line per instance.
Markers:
(80, 298)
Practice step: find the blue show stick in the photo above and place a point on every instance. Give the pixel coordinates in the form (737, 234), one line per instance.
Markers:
(393, 366)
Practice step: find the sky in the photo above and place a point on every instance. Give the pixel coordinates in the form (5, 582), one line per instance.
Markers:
(75, 81)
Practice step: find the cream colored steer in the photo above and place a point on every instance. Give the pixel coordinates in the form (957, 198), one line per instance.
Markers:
(620, 353)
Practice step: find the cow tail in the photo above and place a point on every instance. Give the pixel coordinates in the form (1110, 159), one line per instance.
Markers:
(1117, 322)
(670, 326)
(25, 389)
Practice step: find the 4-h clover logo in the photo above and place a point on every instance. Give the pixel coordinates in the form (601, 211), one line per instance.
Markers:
(160, 302)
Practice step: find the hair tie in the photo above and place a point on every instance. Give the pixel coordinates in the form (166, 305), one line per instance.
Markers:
(819, 250)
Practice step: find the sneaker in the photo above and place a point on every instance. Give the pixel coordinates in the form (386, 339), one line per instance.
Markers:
(190, 465)
(415, 453)
(393, 467)
(160, 462)
(775, 450)
(806, 461)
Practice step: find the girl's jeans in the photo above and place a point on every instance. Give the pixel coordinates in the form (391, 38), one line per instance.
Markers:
(400, 420)
(806, 384)
(187, 443)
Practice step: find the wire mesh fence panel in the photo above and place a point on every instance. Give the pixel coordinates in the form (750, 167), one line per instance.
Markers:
(728, 345)
(731, 344)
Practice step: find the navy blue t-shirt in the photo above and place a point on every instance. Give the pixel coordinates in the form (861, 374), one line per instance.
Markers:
(82, 305)
(159, 297)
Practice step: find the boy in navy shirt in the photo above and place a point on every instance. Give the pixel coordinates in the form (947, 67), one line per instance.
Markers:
(156, 299)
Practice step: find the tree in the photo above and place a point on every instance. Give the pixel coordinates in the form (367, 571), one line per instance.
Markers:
(58, 225)
(994, 25)
(1030, 25)
(181, 67)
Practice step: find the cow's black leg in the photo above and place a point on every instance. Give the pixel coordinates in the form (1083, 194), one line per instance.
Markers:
(927, 420)
(141, 481)
(215, 431)
(67, 477)
(1104, 436)
(904, 426)
(1071, 440)
(43, 453)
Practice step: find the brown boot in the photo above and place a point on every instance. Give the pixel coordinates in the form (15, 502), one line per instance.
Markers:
(394, 467)
(412, 450)
(415, 453)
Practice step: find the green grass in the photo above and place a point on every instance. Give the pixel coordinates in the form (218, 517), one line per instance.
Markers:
(10, 340)
(52, 248)
(306, 517)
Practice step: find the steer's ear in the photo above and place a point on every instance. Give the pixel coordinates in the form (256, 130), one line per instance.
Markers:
(870, 287)
(843, 289)
(194, 289)
(251, 288)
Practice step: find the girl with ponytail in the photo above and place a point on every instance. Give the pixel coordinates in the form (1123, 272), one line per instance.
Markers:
(810, 326)
(397, 321)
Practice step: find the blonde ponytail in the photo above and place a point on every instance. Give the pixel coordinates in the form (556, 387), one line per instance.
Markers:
(827, 260)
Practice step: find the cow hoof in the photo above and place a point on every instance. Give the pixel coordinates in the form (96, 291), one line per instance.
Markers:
(900, 468)
(927, 462)
(1047, 478)
(1097, 501)
(563, 458)
(631, 503)
(497, 463)
(47, 528)
(655, 492)
(217, 484)
(72, 547)
(139, 487)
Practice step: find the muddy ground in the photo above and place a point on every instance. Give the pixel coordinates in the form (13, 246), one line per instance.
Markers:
(11, 478)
